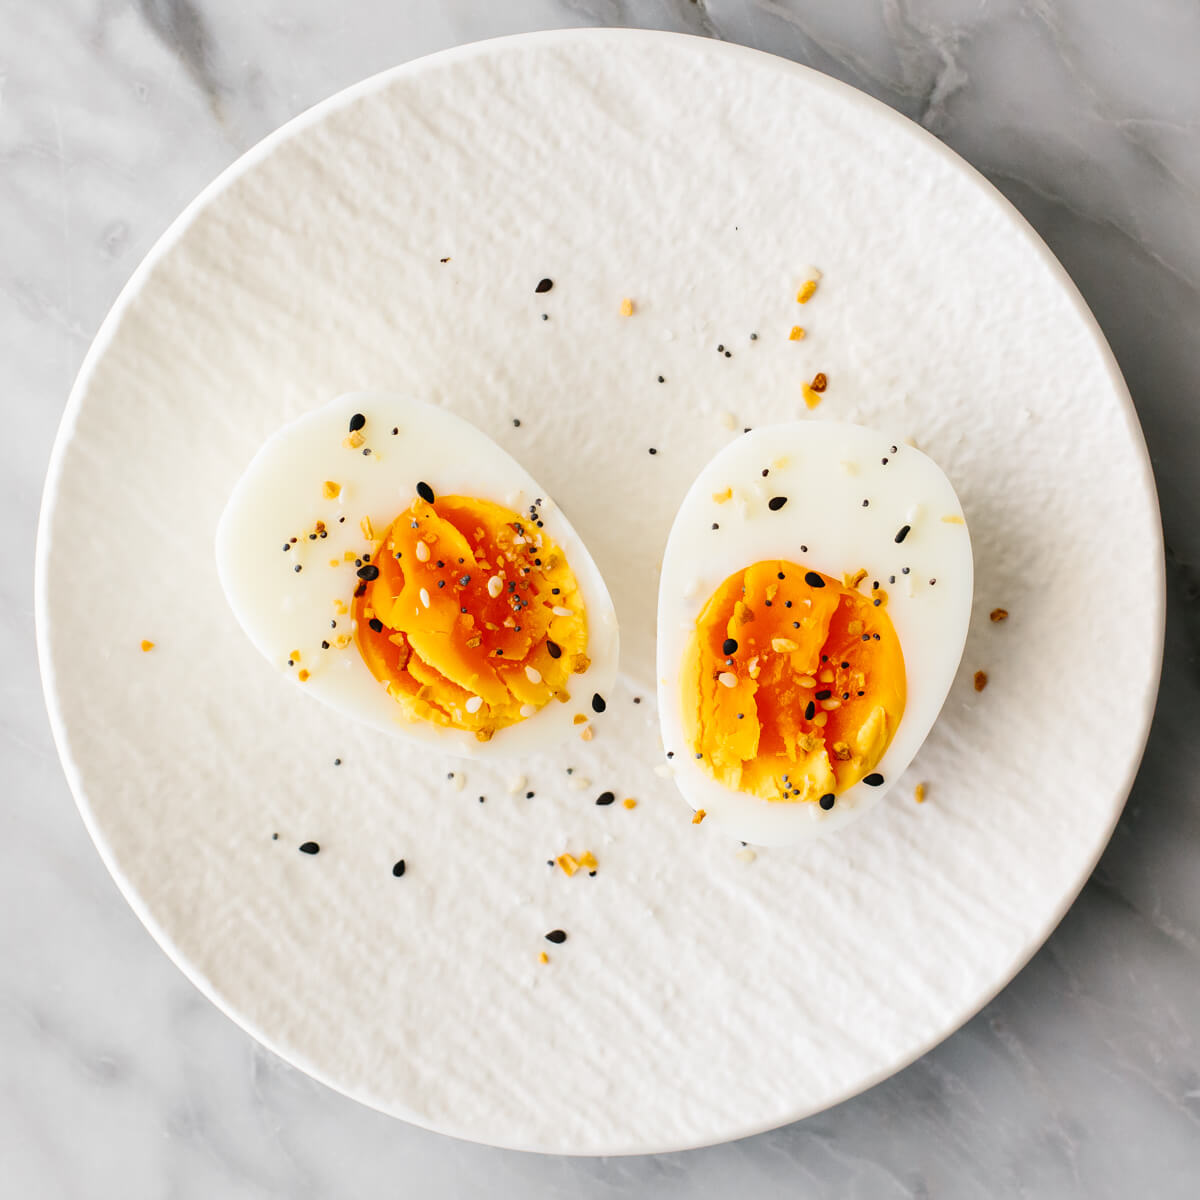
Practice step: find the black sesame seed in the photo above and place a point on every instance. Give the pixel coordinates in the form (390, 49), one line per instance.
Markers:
(715, 525)
(873, 780)
(441, 583)
(776, 503)
(827, 801)
(337, 762)
(845, 666)
(357, 422)
(557, 936)
(366, 451)
(845, 695)
(425, 492)
(368, 571)
(598, 704)
(652, 450)
(499, 653)
(720, 349)
(823, 694)
(904, 570)
(544, 285)
(884, 461)
(553, 649)
(933, 583)
(376, 624)
(399, 869)
(324, 645)
(516, 422)
(729, 646)
(895, 449)
(728, 353)
(866, 504)
(903, 533)
(661, 379)
(286, 547)
(866, 637)
(795, 624)
(754, 337)
(824, 658)
(876, 603)
(637, 699)
(528, 795)
(780, 575)
(605, 798)
(810, 711)
(297, 568)
(310, 848)
(395, 430)
(813, 579)
(464, 580)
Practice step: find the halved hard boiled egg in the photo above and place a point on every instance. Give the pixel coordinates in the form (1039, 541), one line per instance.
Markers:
(813, 608)
(398, 565)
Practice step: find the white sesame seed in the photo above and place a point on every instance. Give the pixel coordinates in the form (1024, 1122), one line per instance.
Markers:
(783, 645)
(727, 679)
(728, 420)
(807, 681)
(517, 784)
(495, 586)
(559, 611)
(830, 705)
(474, 704)
(579, 783)
(527, 710)
(422, 552)
(745, 855)
(533, 675)
(459, 780)
(664, 771)
(424, 597)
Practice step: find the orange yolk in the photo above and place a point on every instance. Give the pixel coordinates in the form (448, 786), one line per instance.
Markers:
(475, 620)
(793, 684)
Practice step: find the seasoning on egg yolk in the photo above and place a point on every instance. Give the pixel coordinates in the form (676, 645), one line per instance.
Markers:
(810, 698)
(475, 620)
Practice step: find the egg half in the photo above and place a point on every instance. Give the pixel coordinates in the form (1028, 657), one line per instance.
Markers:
(813, 608)
(392, 561)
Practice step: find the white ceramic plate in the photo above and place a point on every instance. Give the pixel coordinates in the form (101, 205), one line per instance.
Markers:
(699, 996)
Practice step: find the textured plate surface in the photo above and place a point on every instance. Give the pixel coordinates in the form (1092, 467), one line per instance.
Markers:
(699, 996)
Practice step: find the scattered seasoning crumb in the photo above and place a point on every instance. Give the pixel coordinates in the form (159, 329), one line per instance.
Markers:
(698, 816)
(445, 260)
(146, 646)
(330, 490)
(368, 530)
(605, 798)
(353, 440)
(578, 719)
(587, 860)
(303, 676)
(544, 286)
(797, 334)
(811, 396)
(399, 869)
(727, 420)
(627, 307)
(919, 793)
(557, 936)
(953, 519)
(981, 680)
(996, 616)
(629, 802)
(820, 382)
(569, 864)
(310, 848)
(543, 958)
(587, 733)
(805, 294)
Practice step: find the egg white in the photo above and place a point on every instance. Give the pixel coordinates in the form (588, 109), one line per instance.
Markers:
(281, 610)
(825, 470)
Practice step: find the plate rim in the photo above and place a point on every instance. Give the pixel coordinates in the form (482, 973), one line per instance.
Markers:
(261, 150)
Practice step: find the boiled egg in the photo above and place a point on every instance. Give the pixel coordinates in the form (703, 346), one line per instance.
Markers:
(393, 562)
(813, 607)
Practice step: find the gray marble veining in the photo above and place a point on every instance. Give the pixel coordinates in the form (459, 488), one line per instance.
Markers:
(1081, 1079)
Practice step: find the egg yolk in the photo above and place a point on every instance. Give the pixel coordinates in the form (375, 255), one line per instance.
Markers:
(473, 619)
(793, 684)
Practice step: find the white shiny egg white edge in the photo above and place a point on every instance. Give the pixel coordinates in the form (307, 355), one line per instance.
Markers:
(280, 496)
(825, 469)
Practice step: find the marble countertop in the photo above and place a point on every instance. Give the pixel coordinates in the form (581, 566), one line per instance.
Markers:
(1081, 1079)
